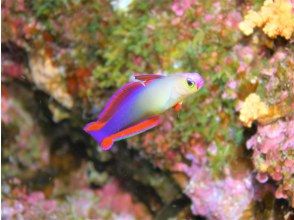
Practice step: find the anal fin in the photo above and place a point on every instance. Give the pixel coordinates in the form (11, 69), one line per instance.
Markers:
(130, 131)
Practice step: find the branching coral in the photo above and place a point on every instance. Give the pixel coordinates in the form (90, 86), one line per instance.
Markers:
(275, 17)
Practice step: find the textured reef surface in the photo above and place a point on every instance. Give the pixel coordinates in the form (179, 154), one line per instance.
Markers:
(228, 154)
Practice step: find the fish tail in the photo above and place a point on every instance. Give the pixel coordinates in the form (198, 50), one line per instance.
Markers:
(94, 126)
(94, 129)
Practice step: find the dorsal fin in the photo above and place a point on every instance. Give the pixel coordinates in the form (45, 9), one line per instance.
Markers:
(116, 99)
(146, 78)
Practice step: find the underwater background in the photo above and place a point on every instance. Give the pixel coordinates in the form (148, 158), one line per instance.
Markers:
(228, 154)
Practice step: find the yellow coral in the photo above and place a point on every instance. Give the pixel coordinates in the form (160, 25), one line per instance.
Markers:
(275, 17)
(252, 109)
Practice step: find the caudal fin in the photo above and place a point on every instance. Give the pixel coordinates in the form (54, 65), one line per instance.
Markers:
(94, 126)
(94, 129)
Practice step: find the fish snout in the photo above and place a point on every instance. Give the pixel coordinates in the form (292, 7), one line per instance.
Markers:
(200, 83)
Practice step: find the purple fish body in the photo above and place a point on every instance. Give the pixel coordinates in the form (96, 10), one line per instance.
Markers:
(136, 107)
(122, 118)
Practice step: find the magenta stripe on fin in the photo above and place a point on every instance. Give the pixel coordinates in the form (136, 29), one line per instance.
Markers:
(117, 99)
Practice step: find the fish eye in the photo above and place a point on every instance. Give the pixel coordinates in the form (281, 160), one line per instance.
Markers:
(190, 83)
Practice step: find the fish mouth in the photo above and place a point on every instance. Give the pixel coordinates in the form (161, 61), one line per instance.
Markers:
(200, 83)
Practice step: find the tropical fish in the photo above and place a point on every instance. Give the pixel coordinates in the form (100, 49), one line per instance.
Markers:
(136, 107)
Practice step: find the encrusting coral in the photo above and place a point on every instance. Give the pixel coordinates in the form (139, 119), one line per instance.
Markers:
(222, 198)
(276, 18)
(252, 109)
(273, 156)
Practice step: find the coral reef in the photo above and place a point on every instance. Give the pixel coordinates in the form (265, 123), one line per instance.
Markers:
(109, 202)
(216, 198)
(228, 154)
(273, 148)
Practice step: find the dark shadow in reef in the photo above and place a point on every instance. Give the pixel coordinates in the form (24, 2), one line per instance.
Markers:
(181, 205)
(69, 146)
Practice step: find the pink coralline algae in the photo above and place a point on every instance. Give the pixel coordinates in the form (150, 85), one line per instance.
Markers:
(233, 19)
(25, 146)
(244, 53)
(109, 202)
(30, 206)
(179, 7)
(121, 203)
(12, 69)
(273, 147)
(279, 81)
(137, 60)
(230, 92)
(5, 105)
(225, 198)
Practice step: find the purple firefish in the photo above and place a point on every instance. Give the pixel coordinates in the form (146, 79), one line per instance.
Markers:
(136, 106)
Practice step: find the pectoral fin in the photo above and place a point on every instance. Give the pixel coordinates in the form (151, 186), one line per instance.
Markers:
(130, 131)
(177, 107)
